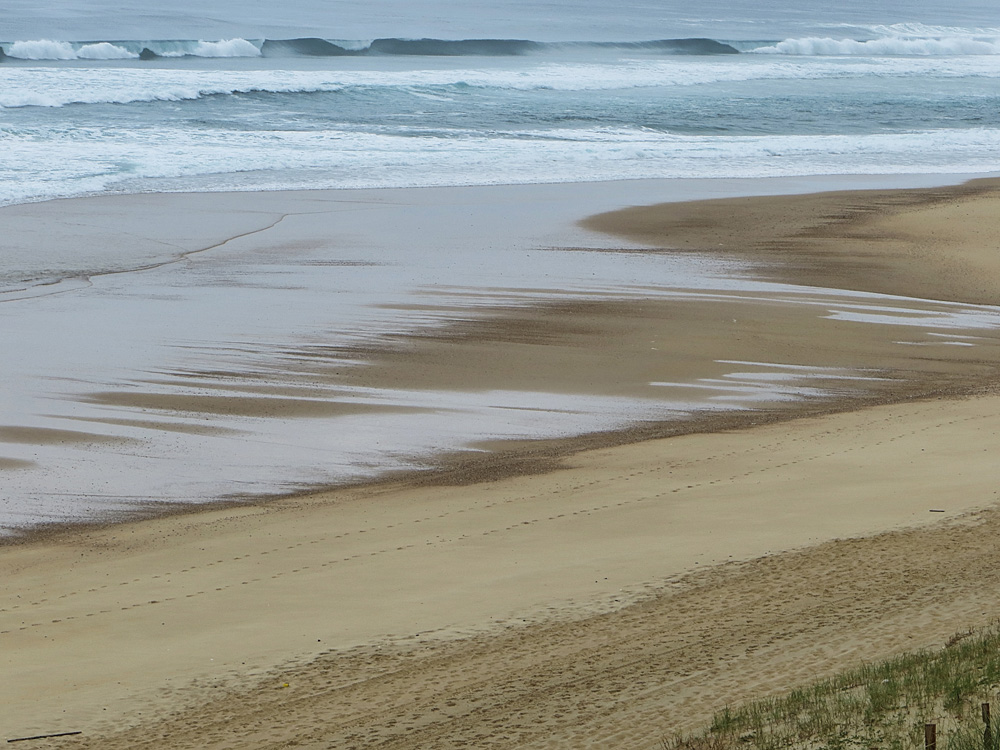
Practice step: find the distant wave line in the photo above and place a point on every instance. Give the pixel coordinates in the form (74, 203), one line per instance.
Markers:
(901, 44)
(487, 47)
(884, 47)
(46, 49)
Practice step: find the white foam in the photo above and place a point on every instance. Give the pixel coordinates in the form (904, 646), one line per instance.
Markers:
(917, 30)
(168, 159)
(45, 49)
(42, 49)
(104, 51)
(224, 48)
(57, 87)
(885, 46)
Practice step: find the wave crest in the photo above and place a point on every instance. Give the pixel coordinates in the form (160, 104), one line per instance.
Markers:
(104, 51)
(898, 41)
(315, 47)
(47, 49)
(884, 47)
(42, 49)
(225, 48)
(483, 47)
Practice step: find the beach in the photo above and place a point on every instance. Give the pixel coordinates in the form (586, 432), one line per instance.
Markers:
(810, 482)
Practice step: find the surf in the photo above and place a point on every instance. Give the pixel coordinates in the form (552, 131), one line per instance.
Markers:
(52, 50)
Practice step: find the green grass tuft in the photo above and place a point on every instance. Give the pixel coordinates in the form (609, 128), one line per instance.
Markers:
(883, 705)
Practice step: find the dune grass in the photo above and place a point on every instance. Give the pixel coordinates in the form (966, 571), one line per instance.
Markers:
(883, 705)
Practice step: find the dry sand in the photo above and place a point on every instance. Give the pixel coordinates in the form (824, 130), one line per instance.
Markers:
(602, 592)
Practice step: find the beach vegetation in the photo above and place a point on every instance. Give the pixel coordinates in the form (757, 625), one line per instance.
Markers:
(884, 705)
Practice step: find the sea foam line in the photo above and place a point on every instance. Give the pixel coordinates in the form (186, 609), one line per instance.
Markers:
(41, 86)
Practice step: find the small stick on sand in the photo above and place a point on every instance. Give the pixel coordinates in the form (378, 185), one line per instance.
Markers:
(43, 736)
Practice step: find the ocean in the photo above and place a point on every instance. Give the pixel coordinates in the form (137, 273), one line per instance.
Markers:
(352, 95)
(161, 297)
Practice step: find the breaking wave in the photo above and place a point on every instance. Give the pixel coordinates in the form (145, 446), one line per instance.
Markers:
(894, 42)
(888, 46)
(45, 49)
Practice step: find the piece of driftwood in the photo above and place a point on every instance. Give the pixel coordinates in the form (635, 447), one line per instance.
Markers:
(43, 736)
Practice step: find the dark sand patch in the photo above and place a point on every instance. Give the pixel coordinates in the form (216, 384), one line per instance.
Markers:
(51, 436)
(15, 463)
(238, 406)
(936, 243)
(186, 428)
(617, 347)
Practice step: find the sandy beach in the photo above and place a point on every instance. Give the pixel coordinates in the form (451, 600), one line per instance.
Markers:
(599, 591)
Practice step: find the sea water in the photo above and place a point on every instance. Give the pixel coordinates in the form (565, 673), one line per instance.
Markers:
(120, 99)
(340, 95)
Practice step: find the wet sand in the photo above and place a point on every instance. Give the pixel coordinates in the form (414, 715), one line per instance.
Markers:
(932, 243)
(598, 592)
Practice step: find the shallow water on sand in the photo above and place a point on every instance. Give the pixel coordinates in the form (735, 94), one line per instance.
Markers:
(240, 369)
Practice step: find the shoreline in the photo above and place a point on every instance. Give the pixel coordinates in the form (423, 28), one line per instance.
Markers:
(895, 233)
(623, 194)
(501, 584)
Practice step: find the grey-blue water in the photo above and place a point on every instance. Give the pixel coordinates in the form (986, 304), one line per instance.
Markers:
(102, 99)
